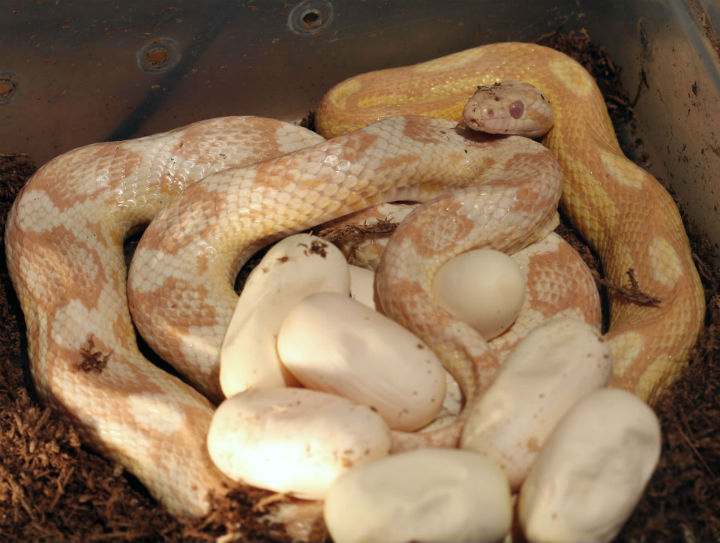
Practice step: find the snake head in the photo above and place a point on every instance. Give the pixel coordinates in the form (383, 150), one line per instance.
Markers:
(509, 107)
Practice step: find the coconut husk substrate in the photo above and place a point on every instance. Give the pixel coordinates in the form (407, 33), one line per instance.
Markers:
(52, 488)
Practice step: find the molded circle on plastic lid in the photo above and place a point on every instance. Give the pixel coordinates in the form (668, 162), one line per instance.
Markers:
(158, 55)
(310, 16)
(9, 87)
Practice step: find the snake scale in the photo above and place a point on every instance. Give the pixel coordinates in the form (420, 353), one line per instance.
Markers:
(64, 241)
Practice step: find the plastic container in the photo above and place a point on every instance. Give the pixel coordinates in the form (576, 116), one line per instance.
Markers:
(81, 71)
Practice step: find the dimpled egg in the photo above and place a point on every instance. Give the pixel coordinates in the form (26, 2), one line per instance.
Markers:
(555, 365)
(592, 470)
(421, 495)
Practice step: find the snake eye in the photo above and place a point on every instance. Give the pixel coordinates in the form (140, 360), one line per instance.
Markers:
(517, 108)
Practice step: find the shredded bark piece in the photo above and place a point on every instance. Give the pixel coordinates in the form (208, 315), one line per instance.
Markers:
(262, 504)
(349, 236)
(92, 360)
(355, 233)
(632, 293)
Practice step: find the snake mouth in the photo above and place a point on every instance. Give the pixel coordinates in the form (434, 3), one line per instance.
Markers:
(472, 134)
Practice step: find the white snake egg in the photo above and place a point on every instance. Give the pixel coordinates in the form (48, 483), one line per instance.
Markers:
(485, 288)
(592, 470)
(293, 440)
(555, 365)
(333, 343)
(421, 495)
(362, 285)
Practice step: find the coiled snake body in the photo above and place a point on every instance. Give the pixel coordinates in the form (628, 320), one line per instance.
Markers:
(620, 209)
(64, 241)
